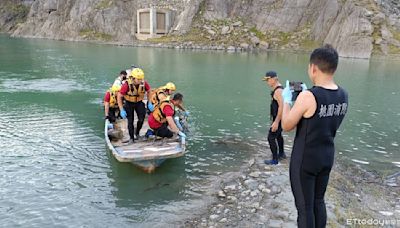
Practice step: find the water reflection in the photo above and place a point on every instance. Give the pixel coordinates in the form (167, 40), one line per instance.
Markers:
(133, 187)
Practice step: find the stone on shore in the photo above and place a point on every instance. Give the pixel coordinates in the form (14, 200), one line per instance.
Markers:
(255, 41)
(275, 223)
(211, 32)
(225, 30)
(213, 217)
(231, 49)
(244, 46)
(255, 174)
(237, 24)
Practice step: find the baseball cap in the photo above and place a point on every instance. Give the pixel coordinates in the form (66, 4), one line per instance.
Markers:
(270, 74)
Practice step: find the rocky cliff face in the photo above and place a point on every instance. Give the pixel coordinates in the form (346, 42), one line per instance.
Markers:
(79, 20)
(350, 32)
(12, 13)
(356, 28)
(353, 27)
(106, 20)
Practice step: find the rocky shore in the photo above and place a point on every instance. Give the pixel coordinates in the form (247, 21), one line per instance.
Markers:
(260, 196)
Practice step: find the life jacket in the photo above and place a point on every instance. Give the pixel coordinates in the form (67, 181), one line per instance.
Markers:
(118, 83)
(158, 113)
(135, 94)
(116, 87)
(154, 95)
(113, 99)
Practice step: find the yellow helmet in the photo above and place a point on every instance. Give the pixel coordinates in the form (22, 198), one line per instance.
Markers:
(137, 73)
(170, 86)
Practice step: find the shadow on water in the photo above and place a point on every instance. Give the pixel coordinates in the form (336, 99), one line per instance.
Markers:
(168, 183)
(176, 179)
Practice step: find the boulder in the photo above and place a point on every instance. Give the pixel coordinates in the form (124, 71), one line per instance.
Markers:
(245, 193)
(395, 22)
(256, 205)
(231, 49)
(283, 215)
(395, 42)
(251, 184)
(206, 27)
(225, 30)
(255, 174)
(251, 162)
(255, 41)
(223, 220)
(254, 193)
(378, 41)
(378, 19)
(368, 13)
(231, 187)
(232, 199)
(275, 39)
(273, 223)
(244, 46)
(211, 32)
(386, 34)
(221, 194)
(237, 24)
(213, 217)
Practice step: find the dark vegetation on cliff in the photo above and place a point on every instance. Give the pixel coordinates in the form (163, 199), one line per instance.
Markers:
(12, 13)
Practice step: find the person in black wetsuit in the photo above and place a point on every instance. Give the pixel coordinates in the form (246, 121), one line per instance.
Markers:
(317, 114)
(275, 138)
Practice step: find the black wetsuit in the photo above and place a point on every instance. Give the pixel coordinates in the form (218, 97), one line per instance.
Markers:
(140, 109)
(113, 114)
(275, 139)
(313, 155)
(163, 131)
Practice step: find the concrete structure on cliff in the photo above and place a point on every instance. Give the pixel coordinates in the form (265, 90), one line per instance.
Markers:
(153, 23)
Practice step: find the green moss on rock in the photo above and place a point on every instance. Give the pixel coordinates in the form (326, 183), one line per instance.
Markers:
(258, 33)
(394, 49)
(396, 33)
(104, 4)
(93, 35)
(309, 44)
(18, 9)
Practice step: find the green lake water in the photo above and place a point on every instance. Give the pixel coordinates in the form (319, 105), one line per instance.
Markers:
(55, 168)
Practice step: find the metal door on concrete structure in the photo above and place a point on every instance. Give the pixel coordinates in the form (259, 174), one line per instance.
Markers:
(144, 22)
(161, 23)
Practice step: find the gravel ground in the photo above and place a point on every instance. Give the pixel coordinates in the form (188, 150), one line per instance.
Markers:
(260, 196)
